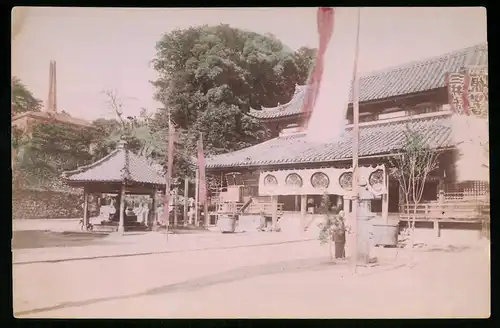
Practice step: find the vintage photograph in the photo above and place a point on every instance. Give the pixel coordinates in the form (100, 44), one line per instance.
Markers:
(284, 162)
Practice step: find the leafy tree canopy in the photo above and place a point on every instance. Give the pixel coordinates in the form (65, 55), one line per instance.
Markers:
(209, 76)
(22, 99)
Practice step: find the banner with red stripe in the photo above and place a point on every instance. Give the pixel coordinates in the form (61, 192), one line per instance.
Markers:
(325, 19)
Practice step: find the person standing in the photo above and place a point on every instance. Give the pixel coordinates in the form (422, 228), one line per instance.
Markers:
(145, 213)
(339, 232)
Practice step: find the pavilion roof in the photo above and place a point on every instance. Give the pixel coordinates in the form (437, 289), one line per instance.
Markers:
(414, 77)
(376, 138)
(121, 165)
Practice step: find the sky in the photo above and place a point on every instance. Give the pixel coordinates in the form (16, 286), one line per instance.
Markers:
(98, 49)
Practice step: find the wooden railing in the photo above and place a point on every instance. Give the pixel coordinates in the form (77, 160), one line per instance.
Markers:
(253, 208)
(465, 196)
(452, 211)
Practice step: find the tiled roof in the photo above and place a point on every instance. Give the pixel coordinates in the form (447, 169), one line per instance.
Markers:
(118, 166)
(375, 139)
(410, 78)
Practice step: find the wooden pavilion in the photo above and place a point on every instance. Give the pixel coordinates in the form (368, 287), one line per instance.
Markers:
(121, 172)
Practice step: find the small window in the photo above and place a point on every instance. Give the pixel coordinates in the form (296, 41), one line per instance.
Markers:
(366, 118)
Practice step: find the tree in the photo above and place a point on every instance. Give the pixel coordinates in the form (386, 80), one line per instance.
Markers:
(23, 99)
(411, 167)
(209, 77)
(51, 148)
(326, 228)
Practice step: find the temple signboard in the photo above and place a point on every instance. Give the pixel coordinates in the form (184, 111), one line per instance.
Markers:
(468, 91)
(468, 98)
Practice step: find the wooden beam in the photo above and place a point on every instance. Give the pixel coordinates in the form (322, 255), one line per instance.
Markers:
(303, 212)
(152, 222)
(274, 208)
(385, 200)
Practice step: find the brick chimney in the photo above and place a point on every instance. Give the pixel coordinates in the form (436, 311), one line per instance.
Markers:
(52, 99)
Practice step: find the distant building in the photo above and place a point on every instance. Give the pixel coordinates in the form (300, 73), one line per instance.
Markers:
(50, 197)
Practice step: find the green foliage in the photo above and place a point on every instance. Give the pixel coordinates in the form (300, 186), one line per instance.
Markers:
(326, 228)
(51, 148)
(209, 77)
(22, 99)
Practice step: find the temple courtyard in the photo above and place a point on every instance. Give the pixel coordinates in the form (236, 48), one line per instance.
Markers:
(255, 275)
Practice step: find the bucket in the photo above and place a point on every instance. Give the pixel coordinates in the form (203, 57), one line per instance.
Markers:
(226, 223)
(385, 234)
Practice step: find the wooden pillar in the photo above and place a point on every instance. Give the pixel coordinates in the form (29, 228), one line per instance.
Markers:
(154, 214)
(186, 203)
(121, 225)
(339, 202)
(437, 228)
(385, 201)
(85, 209)
(303, 212)
(345, 204)
(196, 198)
(205, 211)
(274, 209)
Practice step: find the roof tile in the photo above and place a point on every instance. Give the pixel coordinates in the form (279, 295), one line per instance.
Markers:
(375, 139)
(115, 167)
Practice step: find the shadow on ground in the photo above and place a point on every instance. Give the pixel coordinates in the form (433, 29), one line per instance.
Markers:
(25, 239)
(448, 249)
(309, 264)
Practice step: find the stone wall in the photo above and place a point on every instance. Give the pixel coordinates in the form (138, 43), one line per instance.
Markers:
(30, 204)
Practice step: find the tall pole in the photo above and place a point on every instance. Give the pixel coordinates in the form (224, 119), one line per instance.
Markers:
(186, 204)
(196, 198)
(175, 206)
(355, 151)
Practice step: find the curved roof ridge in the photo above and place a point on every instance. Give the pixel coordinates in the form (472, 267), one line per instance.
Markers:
(424, 61)
(295, 97)
(94, 164)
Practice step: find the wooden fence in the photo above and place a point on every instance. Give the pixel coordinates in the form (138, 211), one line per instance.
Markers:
(253, 208)
(447, 211)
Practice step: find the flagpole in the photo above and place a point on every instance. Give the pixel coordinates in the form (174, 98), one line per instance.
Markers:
(355, 151)
(196, 197)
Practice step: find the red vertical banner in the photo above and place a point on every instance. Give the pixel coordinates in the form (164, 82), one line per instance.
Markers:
(170, 164)
(458, 85)
(325, 18)
(201, 170)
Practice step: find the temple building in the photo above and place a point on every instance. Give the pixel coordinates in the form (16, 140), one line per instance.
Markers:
(27, 120)
(414, 96)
